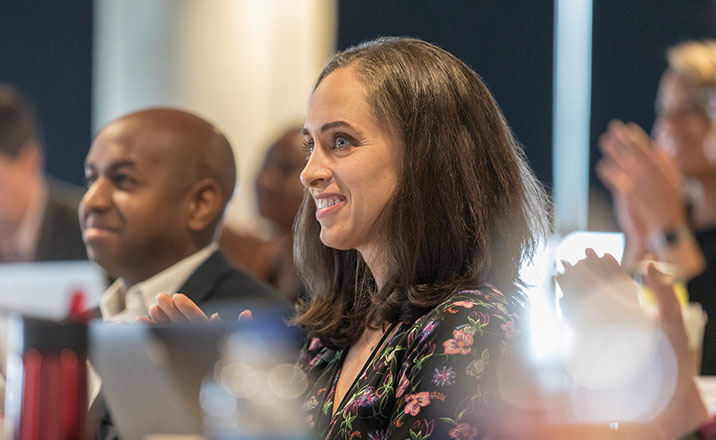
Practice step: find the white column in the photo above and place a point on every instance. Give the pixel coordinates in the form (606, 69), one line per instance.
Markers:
(570, 126)
(246, 65)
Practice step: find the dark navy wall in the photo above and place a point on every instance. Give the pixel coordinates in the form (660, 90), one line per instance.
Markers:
(507, 42)
(46, 50)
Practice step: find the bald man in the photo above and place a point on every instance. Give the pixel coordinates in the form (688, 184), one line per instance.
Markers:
(158, 181)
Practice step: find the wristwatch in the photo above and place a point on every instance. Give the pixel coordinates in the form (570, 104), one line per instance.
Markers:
(670, 237)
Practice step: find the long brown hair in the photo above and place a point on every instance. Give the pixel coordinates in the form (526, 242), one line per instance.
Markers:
(467, 210)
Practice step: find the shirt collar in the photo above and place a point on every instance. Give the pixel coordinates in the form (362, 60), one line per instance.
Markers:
(113, 303)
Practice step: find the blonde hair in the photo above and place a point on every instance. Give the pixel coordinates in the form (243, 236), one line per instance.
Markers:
(695, 61)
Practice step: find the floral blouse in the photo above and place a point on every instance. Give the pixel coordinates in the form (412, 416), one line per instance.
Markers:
(434, 379)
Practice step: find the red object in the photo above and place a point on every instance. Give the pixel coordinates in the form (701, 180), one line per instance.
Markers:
(30, 419)
(77, 312)
(709, 429)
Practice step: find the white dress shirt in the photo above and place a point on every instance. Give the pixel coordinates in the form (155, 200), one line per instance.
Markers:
(120, 304)
(125, 305)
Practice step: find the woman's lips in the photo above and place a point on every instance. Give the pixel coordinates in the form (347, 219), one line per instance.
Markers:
(327, 204)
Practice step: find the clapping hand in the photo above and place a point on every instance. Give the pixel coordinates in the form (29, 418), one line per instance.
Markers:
(596, 279)
(644, 183)
(179, 309)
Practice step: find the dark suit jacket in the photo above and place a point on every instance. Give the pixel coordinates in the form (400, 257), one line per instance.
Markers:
(60, 236)
(216, 281)
(213, 286)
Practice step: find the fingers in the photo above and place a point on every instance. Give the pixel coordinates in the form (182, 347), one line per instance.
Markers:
(158, 315)
(246, 315)
(170, 309)
(591, 254)
(188, 308)
(613, 177)
(663, 287)
(215, 319)
(144, 320)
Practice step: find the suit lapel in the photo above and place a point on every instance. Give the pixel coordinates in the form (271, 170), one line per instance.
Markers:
(202, 284)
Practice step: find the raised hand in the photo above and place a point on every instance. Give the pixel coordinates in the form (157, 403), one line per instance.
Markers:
(644, 175)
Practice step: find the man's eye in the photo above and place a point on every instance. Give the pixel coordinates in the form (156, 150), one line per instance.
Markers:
(123, 180)
(89, 180)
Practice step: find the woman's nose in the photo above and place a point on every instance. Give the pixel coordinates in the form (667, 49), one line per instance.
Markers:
(317, 170)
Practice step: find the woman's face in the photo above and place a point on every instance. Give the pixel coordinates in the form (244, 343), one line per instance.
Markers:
(681, 125)
(353, 167)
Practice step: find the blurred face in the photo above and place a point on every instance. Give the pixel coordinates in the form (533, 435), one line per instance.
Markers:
(14, 197)
(354, 162)
(681, 125)
(278, 190)
(132, 214)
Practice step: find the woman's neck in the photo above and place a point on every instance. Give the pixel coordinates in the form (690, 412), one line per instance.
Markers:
(375, 260)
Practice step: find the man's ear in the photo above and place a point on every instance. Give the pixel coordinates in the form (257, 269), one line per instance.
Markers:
(206, 203)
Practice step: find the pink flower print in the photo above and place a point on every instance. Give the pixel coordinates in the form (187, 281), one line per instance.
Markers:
(463, 431)
(510, 330)
(365, 399)
(443, 377)
(428, 329)
(315, 343)
(466, 304)
(402, 385)
(413, 402)
(378, 435)
(460, 344)
(316, 359)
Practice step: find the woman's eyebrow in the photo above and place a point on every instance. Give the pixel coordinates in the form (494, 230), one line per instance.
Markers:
(334, 124)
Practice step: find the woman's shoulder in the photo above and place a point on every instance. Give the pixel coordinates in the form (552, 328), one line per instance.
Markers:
(470, 314)
(485, 300)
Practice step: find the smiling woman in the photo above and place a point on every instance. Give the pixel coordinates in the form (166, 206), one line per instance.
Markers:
(353, 166)
(418, 212)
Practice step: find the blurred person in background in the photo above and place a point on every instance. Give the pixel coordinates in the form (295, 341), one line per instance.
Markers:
(278, 195)
(664, 190)
(38, 215)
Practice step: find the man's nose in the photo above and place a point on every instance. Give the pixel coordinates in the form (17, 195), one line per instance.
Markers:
(97, 197)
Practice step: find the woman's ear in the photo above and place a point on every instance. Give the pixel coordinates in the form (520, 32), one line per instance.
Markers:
(205, 204)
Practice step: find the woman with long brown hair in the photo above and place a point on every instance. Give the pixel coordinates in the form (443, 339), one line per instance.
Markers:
(418, 213)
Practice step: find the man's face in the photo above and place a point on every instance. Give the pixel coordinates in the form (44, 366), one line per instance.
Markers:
(14, 192)
(132, 214)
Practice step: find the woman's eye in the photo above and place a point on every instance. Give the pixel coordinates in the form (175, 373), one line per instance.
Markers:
(308, 146)
(340, 142)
